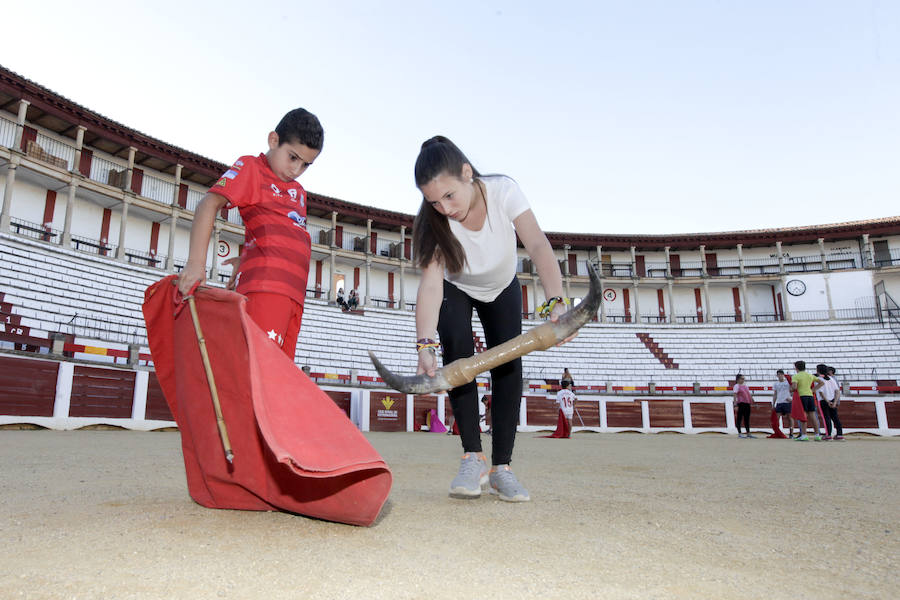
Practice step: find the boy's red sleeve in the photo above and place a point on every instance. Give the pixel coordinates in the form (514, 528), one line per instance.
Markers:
(238, 183)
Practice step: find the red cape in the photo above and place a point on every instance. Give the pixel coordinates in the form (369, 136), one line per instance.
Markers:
(294, 449)
(563, 427)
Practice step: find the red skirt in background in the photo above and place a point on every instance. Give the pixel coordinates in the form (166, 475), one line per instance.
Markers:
(294, 449)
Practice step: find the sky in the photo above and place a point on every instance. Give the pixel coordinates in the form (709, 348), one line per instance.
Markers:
(641, 117)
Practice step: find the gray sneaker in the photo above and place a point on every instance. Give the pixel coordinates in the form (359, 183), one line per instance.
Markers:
(473, 473)
(505, 484)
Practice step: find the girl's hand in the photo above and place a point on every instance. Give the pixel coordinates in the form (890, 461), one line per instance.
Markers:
(558, 311)
(427, 362)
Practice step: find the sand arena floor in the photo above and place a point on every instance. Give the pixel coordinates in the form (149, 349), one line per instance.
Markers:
(105, 514)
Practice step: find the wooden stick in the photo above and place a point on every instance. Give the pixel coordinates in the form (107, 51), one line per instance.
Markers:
(220, 421)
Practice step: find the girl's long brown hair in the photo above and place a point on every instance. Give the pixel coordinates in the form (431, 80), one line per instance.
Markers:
(432, 238)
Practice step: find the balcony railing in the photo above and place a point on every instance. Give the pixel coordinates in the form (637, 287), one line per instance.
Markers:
(157, 189)
(143, 257)
(888, 259)
(102, 168)
(93, 246)
(53, 151)
(36, 231)
(193, 199)
(7, 132)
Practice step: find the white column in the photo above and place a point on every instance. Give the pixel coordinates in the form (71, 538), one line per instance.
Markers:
(129, 173)
(65, 239)
(668, 264)
(637, 304)
(79, 146)
(831, 314)
(822, 253)
(740, 249)
(780, 257)
(745, 302)
(365, 300)
(139, 399)
(566, 274)
(63, 397)
(214, 269)
(703, 261)
(173, 223)
(20, 125)
(403, 267)
(866, 252)
(123, 225)
(670, 314)
(707, 310)
(8, 191)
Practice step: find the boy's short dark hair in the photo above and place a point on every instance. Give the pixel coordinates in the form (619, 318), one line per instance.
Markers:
(300, 125)
(779, 372)
(738, 376)
(800, 365)
(564, 383)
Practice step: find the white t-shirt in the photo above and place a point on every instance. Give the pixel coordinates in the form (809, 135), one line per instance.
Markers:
(828, 389)
(566, 400)
(782, 392)
(491, 251)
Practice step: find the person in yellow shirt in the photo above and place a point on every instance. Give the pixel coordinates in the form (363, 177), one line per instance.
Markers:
(806, 384)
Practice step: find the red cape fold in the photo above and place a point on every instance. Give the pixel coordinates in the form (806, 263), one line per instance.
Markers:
(563, 427)
(294, 449)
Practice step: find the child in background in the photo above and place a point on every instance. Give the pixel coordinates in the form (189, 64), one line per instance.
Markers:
(781, 398)
(806, 385)
(743, 399)
(829, 397)
(566, 400)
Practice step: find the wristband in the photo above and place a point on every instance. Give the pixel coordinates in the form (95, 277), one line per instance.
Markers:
(547, 307)
(427, 344)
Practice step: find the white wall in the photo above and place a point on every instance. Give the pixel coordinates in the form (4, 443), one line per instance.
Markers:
(28, 201)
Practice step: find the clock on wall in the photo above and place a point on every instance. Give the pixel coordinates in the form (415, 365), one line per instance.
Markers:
(609, 294)
(795, 287)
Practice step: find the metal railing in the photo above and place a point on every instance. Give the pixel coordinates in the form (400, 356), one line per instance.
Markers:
(57, 150)
(887, 259)
(35, 231)
(101, 168)
(93, 246)
(7, 132)
(157, 189)
(193, 199)
(109, 329)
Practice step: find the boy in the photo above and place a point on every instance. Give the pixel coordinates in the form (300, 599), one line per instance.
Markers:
(829, 398)
(781, 399)
(806, 385)
(566, 400)
(274, 266)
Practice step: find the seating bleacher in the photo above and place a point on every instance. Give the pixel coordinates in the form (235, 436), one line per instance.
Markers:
(48, 286)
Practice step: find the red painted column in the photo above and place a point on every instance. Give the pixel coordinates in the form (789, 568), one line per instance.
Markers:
(699, 302)
(104, 230)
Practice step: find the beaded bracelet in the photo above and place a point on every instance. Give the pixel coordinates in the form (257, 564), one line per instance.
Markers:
(547, 307)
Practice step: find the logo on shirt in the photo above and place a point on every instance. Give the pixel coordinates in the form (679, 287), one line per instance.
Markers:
(238, 164)
(298, 220)
(221, 182)
(230, 174)
(275, 190)
(293, 194)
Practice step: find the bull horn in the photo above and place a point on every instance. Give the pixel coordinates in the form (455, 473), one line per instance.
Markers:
(464, 370)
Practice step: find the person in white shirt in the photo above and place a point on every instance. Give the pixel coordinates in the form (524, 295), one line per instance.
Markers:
(829, 399)
(464, 241)
(781, 399)
(566, 400)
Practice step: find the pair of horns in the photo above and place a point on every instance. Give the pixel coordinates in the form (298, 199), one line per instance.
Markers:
(464, 370)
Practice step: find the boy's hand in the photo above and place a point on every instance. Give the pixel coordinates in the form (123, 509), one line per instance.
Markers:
(190, 275)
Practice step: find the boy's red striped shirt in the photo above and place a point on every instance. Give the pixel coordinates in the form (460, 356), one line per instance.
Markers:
(277, 245)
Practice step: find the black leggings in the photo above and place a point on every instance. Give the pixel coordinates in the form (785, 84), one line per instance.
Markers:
(831, 416)
(502, 321)
(743, 415)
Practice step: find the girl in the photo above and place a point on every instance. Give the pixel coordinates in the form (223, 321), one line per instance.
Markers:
(742, 400)
(464, 240)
